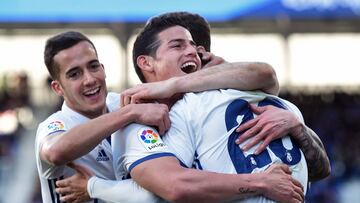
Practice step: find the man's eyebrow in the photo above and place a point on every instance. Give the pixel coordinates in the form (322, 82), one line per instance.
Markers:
(176, 40)
(93, 61)
(193, 43)
(71, 69)
(182, 41)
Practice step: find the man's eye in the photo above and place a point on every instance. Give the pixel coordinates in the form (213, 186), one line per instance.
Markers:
(176, 46)
(74, 74)
(95, 66)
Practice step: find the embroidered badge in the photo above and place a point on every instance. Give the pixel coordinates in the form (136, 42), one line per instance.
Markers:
(55, 126)
(150, 139)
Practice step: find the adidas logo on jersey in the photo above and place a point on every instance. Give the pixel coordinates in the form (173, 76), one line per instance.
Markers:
(102, 156)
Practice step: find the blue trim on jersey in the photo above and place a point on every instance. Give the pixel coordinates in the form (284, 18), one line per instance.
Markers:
(128, 176)
(51, 183)
(197, 164)
(55, 197)
(182, 164)
(152, 156)
(109, 139)
(56, 132)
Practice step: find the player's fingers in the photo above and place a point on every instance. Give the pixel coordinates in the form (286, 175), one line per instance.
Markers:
(62, 190)
(133, 99)
(121, 100)
(62, 183)
(256, 139)
(250, 132)
(208, 56)
(285, 168)
(138, 97)
(298, 184)
(258, 109)
(167, 122)
(68, 198)
(299, 194)
(161, 127)
(247, 125)
(80, 169)
(263, 146)
(126, 100)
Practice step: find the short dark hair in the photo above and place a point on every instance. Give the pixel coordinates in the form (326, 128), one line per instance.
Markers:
(147, 41)
(58, 43)
(196, 24)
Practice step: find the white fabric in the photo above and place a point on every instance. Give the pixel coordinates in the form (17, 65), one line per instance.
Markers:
(130, 148)
(120, 191)
(99, 159)
(199, 136)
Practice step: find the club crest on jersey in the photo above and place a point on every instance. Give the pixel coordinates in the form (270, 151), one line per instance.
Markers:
(150, 139)
(55, 126)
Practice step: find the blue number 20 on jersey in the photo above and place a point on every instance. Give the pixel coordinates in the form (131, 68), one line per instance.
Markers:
(246, 164)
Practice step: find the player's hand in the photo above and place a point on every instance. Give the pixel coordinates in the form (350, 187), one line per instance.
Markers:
(208, 59)
(148, 91)
(74, 188)
(280, 186)
(270, 124)
(152, 114)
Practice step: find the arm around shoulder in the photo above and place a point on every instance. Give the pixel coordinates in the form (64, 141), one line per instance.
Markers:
(238, 75)
(63, 147)
(166, 178)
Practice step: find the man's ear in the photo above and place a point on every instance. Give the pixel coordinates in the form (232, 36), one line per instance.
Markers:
(200, 49)
(145, 63)
(56, 87)
(102, 65)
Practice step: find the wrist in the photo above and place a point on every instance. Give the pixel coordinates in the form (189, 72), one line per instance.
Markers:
(253, 185)
(259, 183)
(90, 186)
(298, 131)
(127, 115)
(178, 84)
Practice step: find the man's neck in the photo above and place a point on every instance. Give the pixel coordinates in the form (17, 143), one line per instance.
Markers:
(172, 100)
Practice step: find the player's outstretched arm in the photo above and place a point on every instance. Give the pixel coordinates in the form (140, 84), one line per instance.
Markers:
(240, 75)
(273, 123)
(78, 141)
(166, 178)
(84, 186)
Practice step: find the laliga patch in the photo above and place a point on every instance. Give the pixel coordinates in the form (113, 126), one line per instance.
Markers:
(150, 139)
(55, 126)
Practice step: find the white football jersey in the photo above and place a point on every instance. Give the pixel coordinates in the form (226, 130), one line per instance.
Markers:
(100, 159)
(202, 136)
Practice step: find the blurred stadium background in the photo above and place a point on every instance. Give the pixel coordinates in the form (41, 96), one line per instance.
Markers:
(313, 45)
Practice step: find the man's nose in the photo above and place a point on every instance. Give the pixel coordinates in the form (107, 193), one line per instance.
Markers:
(88, 78)
(191, 50)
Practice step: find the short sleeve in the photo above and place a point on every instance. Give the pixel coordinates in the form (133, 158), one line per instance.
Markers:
(135, 144)
(181, 136)
(50, 127)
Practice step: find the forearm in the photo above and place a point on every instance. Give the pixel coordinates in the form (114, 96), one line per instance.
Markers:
(81, 139)
(240, 75)
(119, 191)
(164, 177)
(314, 151)
(200, 186)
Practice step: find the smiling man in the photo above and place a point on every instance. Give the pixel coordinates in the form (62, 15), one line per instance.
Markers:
(88, 115)
(198, 133)
(165, 50)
